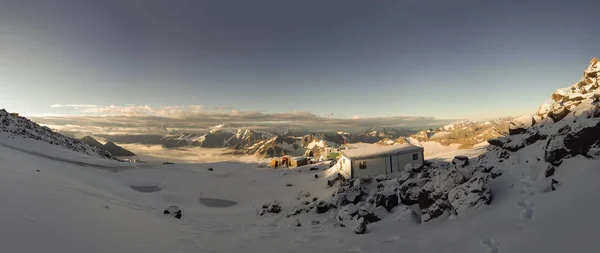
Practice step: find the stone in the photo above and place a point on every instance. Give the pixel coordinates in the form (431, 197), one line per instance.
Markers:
(558, 113)
(211, 169)
(360, 227)
(555, 150)
(471, 195)
(173, 211)
(442, 181)
(460, 161)
(355, 193)
(550, 171)
(441, 207)
(347, 212)
(409, 191)
(322, 207)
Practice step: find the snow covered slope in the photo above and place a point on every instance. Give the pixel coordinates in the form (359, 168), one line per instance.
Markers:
(21, 127)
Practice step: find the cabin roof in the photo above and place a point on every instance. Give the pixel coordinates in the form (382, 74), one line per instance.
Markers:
(363, 151)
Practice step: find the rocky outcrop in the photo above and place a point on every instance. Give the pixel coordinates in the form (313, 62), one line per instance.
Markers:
(471, 195)
(555, 150)
(520, 124)
(580, 142)
(23, 127)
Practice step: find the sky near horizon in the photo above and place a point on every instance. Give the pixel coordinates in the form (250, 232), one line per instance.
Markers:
(443, 59)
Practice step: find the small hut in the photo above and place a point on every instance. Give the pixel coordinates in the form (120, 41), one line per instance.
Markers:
(298, 161)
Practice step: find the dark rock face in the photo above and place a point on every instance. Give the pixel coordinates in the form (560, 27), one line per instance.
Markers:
(174, 211)
(498, 142)
(579, 143)
(533, 135)
(460, 161)
(471, 195)
(558, 113)
(555, 150)
(409, 191)
(514, 144)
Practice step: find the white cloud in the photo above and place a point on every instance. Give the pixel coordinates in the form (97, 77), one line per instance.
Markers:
(76, 106)
(134, 110)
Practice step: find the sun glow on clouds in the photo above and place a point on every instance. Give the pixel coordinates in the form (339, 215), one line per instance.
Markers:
(134, 110)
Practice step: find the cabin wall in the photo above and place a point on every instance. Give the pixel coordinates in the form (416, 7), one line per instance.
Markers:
(375, 166)
(345, 167)
(384, 165)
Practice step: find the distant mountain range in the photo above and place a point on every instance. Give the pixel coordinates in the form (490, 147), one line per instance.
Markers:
(464, 133)
(111, 147)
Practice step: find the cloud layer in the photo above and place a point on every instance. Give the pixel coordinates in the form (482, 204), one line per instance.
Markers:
(138, 119)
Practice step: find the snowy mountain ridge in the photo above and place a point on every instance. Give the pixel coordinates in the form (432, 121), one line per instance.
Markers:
(18, 126)
(462, 134)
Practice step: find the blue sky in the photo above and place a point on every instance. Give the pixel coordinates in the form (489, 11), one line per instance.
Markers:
(443, 59)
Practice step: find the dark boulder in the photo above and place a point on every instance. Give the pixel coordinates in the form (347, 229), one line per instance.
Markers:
(498, 142)
(533, 135)
(409, 191)
(515, 143)
(555, 150)
(314, 168)
(316, 176)
(388, 200)
(355, 193)
(558, 113)
(322, 207)
(460, 161)
(210, 169)
(174, 211)
(550, 171)
(368, 216)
